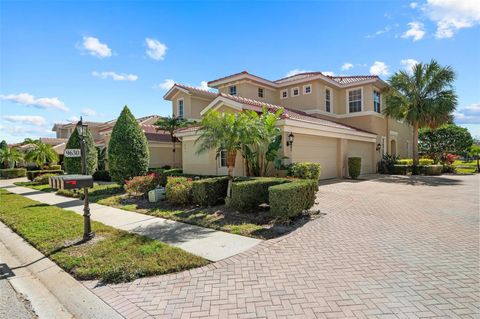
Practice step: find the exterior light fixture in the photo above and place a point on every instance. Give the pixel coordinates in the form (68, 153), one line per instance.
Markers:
(290, 139)
(378, 147)
(87, 228)
(82, 128)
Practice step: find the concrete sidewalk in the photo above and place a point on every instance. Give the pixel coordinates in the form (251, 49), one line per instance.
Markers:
(207, 243)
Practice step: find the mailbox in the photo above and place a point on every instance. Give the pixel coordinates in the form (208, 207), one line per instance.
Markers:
(70, 181)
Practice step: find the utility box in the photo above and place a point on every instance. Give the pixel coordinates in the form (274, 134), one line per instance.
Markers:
(70, 181)
(156, 195)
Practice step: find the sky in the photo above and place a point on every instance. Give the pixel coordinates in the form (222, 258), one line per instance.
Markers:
(63, 60)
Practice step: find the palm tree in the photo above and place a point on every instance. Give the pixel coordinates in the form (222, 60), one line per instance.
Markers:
(424, 97)
(10, 156)
(41, 153)
(171, 124)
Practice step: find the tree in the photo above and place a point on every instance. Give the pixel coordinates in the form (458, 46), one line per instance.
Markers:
(3, 145)
(29, 140)
(10, 156)
(102, 158)
(73, 165)
(171, 124)
(448, 138)
(41, 154)
(424, 98)
(475, 153)
(128, 153)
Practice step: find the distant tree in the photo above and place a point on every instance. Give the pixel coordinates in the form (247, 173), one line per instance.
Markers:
(128, 153)
(29, 140)
(73, 165)
(449, 138)
(41, 154)
(171, 124)
(3, 145)
(474, 152)
(10, 156)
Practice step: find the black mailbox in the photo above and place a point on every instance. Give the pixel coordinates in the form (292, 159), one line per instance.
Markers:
(70, 181)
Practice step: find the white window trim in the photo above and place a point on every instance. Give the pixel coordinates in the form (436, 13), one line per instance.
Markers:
(325, 99)
(296, 88)
(375, 89)
(305, 89)
(178, 107)
(281, 94)
(347, 100)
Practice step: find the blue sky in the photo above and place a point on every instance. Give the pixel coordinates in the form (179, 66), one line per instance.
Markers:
(60, 60)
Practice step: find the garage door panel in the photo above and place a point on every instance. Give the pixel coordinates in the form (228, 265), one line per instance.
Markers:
(317, 149)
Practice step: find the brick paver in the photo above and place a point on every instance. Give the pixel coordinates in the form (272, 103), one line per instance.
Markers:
(393, 247)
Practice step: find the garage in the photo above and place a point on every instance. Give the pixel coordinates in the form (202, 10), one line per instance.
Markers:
(364, 150)
(318, 149)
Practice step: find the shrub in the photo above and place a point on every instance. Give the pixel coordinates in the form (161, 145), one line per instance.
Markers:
(102, 176)
(409, 161)
(178, 190)
(210, 191)
(247, 195)
(32, 174)
(449, 159)
(433, 169)
(306, 170)
(43, 179)
(128, 153)
(13, 172)
(140, 185)
(401, 169)
(385, 166)
(169, 172)
(354, 167)
(73, 165)
(291, 199)
(55, 167)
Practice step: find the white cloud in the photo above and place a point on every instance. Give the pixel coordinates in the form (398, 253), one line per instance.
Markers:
(379, 68)
(408, 64)
(468, 115)
(204, 86)
(115, 76)
(26, 119)
(347, 66)
(165, 85)
(41, 103)
(89, 112)
(328, 73)
(156, 49)
(295, 71)
(413, 5)
(24, 131)
(452, 15)
(73, 119)
(96, 48)
(416, 31)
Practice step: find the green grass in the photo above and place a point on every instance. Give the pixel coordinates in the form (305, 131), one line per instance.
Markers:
(112, 256)
(463, 167)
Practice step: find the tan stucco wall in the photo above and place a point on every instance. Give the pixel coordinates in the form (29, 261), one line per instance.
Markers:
(192, 105)
(161, 155)
(366, 152)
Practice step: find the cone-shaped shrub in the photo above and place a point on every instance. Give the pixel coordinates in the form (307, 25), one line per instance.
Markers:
(73, 165)
(128, 154)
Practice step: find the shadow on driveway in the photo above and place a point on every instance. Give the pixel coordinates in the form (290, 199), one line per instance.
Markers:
(418, 180)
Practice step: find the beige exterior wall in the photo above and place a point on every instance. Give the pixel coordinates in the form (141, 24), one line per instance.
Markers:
(249, 89)
(366, 151)
(192, 105)
(161, 155)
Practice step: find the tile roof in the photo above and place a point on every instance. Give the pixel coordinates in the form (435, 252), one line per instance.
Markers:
(153, 134)
(196, 90)
(342, 80)
(53, 141)
(297, 76)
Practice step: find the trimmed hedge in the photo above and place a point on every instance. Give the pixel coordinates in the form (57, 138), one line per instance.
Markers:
(306, 170)
(102, 176)
(291, 199)
(401, 169)
(354, 166)
(432, 170)
(209, 191)
(422, 169)
(247, 195)
(13, 172)
(178, 190)
(32, 174)
(43, 179)
(409, 161)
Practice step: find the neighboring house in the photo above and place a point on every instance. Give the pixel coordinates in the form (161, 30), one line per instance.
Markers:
(58, 144)
(330, 117)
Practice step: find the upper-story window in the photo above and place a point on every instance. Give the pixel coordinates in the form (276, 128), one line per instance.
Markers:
(355, 100)
(233, 90)
(260, 92)
(307, 89)
(328, 100)
(295, 91)
(284, 94)
(181, 108)
(376, 101)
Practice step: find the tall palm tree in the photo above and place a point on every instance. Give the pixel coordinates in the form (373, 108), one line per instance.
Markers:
(171, 124)
(42, 153)
(9, 156)
(424, 97)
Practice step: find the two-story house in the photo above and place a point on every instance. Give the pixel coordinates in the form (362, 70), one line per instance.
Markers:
(329, 118)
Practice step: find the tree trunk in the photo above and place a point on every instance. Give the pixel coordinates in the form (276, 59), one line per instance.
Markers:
(231, 155)
(415, 149)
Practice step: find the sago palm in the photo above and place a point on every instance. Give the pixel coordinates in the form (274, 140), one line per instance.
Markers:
(42, 153)
(9, 156)
(171, 124)
(424, 97)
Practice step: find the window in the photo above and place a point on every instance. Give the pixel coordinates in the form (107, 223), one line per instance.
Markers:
(233, 90)
(295, 91)
(307, 89)
(376, 101)
(355, 101)
(260, 92)
(328, 100)
(180, 113)
(284, 94)
(223, 158)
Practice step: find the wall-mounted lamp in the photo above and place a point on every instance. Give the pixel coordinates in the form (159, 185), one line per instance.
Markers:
(379, 147)
(290, 139)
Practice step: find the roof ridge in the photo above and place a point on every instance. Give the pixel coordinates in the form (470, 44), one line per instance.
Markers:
(189, 87)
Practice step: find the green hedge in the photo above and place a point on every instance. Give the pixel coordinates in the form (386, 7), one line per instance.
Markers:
(209, 191)
(247, 195)
(401, 169)
(306, 170)
(409, 161)
(13, 172)
(432, 170)
(32, 174)
(291, 199)
(422, 169)
(55, 167)
(102, 176)
(354, 166)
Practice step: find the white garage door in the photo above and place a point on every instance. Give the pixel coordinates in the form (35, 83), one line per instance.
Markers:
(323, 150)
(363, 150)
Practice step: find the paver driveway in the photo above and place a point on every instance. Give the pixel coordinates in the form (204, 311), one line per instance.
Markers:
(394, 247)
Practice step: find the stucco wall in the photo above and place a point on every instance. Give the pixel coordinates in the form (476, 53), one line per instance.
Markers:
(161, 155)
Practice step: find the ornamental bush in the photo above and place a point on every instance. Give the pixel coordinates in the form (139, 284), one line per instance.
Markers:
(433, 170)
(140, 185)
(128, 153)
(354, 167)
(32, 174)
(401, 169)
(291, 199)
(179, 190)
(102, 176)
(13, 172)
(248, 194)
(209, 191)
(409, 161)
(73, 165)
(43, 179)
(306, 170)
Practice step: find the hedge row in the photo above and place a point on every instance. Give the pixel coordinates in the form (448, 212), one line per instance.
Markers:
(409, 161)
(13, 172)
(290, 199)
(210, 191)
(423, 169)
(306, 170)
(32, 174)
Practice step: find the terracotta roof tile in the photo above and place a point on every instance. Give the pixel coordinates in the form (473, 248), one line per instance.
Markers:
(53, 141)
(196, 90)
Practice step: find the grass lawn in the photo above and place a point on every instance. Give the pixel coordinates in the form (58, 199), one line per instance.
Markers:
(463, 167)
(112, 256)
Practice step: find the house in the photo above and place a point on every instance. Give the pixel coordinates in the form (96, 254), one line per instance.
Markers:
(329, 118)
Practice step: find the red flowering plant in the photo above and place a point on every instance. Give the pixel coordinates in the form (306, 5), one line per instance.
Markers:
(449, 159)
(141, 185)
